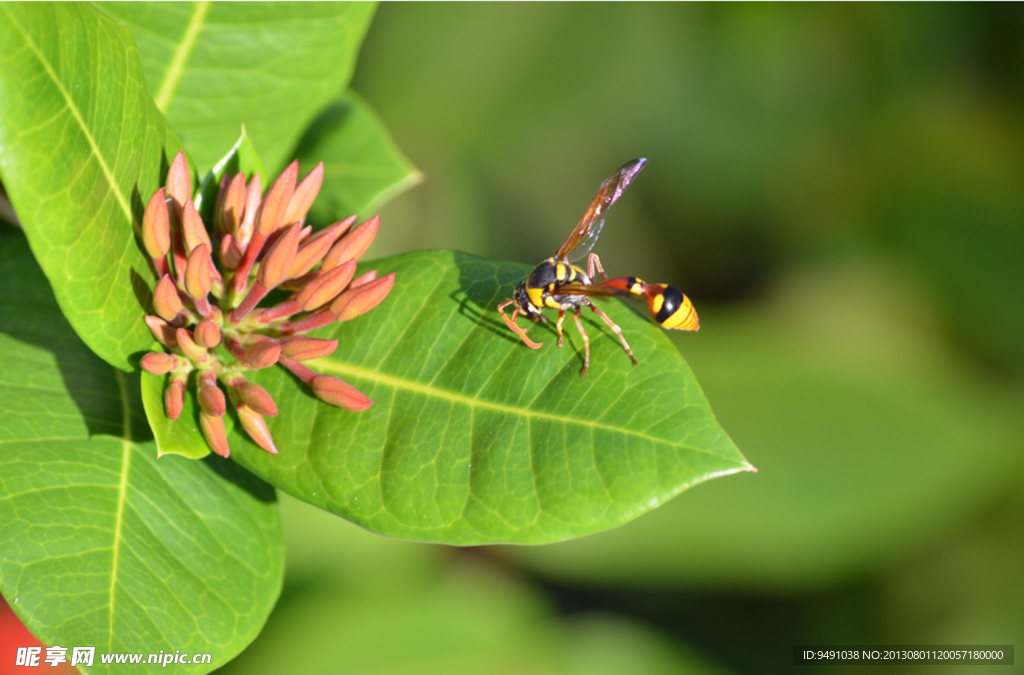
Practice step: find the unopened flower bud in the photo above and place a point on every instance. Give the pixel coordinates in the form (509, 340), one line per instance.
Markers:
(278, 261)
(275, 203)
(256, 427)
(353, 245)
(231, 206)
(256, 397)
(192, 229)
(207, 334)
(162, 331)
(306, 348)
(166, 301)
(304, 195)
(253, 197)
(339, 393)
(199, 272)
(263, 354)
(357, 301)
(174, 398)
(158, 363)
(326, 287)
(156, 228)
(188, 345)
(310, 253)
(179, 182)
(230, 256)
(364, 279)
(214, 433)
(211, 400)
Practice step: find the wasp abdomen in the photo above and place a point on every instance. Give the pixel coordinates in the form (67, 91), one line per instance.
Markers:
(671, 308)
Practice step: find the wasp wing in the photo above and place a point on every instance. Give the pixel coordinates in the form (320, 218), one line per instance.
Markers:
(593, 290)
(583, 237)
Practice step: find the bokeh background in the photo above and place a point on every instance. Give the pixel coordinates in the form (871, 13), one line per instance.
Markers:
(840, 190)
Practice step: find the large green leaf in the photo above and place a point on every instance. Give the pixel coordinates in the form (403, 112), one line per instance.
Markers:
(81, 145)
(213, 66)
(473, 437)
(102, 544)
(873, 441)
(362, 166)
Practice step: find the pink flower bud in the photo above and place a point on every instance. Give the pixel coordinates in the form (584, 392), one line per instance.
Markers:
(353, 245)
(158, 363)
(165, 299)
(256, 397)
(156, 227)
(230, 255)
(278, 261)
(304, 195)
(310, 253)
(174, 398)
(263, 354)
(231, 206)
(192, 229)
(199, 272)
(357, 301)
(187, 345)
(364, 279)
(207, 334)
(275, 202)
(326, 287)
(214, 433)
(256, 427)
(179, 182)
(211, 400)
(306, 348)
(339, 393)
(253, 197)
(162, 331)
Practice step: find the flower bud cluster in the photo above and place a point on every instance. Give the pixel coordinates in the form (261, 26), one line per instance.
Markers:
(211, 282)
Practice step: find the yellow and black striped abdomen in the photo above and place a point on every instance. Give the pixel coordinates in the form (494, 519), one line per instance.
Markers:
(671, 308)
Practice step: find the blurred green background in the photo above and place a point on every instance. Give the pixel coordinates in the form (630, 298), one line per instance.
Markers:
(840, 191)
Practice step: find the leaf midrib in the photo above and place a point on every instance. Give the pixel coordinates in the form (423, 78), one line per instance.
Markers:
(75, 113)
(177, 68)
(427, 390)
(126, 436)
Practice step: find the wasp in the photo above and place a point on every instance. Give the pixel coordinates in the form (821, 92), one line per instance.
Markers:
(557, 283)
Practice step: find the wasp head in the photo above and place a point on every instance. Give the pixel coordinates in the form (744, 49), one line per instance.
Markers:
(525, 306)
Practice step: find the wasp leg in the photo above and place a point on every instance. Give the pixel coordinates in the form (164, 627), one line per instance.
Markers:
(511, 323)
(594, 263)
(614, 327)
(586, 341)
(558, 326)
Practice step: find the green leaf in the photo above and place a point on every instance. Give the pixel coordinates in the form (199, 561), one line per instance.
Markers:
(81, 145)
(174, 437)
(362, 166)
(873, 441)
(473, 437)
(242, 157)
(212, 67)
(102, 544)
(183, 436)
